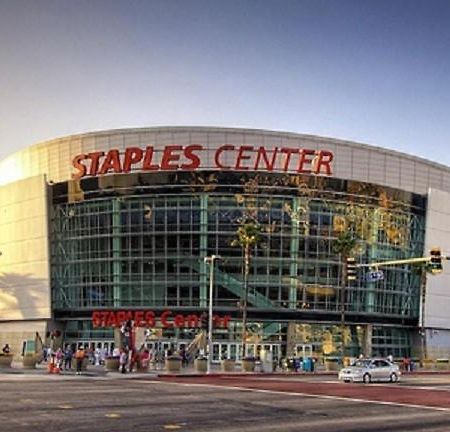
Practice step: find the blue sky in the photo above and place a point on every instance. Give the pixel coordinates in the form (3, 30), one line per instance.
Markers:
(376, 71)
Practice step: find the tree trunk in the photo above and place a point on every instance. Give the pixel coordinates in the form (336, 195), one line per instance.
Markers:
(244, 310)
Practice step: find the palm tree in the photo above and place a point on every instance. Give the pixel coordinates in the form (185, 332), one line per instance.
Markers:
(344, 245)
(248, 236)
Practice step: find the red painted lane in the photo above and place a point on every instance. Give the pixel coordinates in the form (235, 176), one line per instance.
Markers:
(379, 393)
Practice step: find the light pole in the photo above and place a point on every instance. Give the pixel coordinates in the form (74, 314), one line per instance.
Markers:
(211, 260)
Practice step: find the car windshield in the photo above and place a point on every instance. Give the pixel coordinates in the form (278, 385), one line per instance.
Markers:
(361, 363)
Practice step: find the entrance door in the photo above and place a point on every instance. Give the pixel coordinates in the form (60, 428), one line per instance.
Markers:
(303, 350)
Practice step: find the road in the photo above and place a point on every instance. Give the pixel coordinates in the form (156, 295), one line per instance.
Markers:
(226, 403)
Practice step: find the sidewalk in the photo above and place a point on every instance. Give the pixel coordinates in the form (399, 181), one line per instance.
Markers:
(99, 371)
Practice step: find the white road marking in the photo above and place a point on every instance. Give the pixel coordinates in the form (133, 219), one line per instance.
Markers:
(341, 398)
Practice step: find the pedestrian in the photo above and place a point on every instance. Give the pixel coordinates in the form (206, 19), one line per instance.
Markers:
(6, 349)
(79, 357)
(184, 358)
(123, 360)
(59, 355)
(390, 358)
(133, 358)
(68, 354)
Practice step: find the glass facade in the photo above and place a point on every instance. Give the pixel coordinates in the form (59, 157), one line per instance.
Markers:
(140, 241)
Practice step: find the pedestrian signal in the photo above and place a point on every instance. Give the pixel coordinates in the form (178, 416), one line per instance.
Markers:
(436, 260)
(351, 269)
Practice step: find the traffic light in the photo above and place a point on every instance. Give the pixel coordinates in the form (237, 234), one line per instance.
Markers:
(436, 260)
(351, 269)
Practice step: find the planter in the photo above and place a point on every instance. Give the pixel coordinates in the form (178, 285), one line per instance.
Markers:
(442, 364)
(6, 360)
(112, 364)
(201, 364)
(228, 365)
(347, 361)
(142, 369)
(427, 364)
(332, 364)
(248, 365)
(173, 364)
(29, 361)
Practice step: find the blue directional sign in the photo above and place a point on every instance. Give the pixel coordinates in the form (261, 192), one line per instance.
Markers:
(374, 276)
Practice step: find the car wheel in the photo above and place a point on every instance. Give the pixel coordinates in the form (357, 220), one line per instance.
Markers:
(394, 377)
(366, 379)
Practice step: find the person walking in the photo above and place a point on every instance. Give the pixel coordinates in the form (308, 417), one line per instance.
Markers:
(123, 360)
(59, 358)
(79, 357)
(68, 354)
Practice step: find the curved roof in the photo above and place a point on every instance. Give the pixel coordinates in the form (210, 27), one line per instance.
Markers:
(353, 161)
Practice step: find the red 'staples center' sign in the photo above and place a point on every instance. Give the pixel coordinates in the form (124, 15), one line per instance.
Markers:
(193, 157)
(149, 319)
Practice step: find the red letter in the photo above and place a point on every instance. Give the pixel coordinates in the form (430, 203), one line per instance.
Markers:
(111, 321)
(226, 320)
(79, 166)
(168, 157)
(179, 321)
(121, 317)
(150, 318)
(96, 319)
(324, 158)
(112, 160)
(147, 164)
(304, 153)
(288, 152)
(95, 156)
(218, 153)
(164, 322)
(241, 157)
(192, 321)
(262, 153)
(139, 318)
(132, 155)
(188, 153)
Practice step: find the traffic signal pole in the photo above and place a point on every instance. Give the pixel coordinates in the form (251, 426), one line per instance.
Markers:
(403, 261)
(435, 262)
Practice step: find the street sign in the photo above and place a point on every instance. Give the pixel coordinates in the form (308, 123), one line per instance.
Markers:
(374, 276)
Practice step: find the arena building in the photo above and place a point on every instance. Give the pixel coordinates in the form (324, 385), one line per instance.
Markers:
(105, 226)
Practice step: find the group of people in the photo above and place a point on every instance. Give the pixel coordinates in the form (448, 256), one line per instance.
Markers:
(63, 356)
(132, 358)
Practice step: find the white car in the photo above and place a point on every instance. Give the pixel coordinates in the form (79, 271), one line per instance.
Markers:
(369, 370)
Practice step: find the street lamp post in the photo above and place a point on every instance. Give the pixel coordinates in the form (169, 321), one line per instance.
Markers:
(211, 260)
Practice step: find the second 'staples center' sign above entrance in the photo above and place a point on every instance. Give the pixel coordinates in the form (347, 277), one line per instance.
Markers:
(194, 157)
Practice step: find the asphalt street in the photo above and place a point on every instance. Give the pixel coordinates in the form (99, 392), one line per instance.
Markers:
(72, 403)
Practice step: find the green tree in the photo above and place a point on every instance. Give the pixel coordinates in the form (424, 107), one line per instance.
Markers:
(344, 245)
(248, 236)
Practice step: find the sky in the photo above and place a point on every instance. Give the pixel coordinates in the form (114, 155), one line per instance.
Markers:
(371, 71)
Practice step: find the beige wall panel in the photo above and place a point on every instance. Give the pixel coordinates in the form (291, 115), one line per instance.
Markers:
(437, 303)
(15, 333)
(24, 263)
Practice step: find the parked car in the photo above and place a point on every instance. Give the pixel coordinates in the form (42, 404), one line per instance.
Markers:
(369, 370)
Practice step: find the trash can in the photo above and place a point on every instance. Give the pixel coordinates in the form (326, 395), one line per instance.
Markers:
(308, 364)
